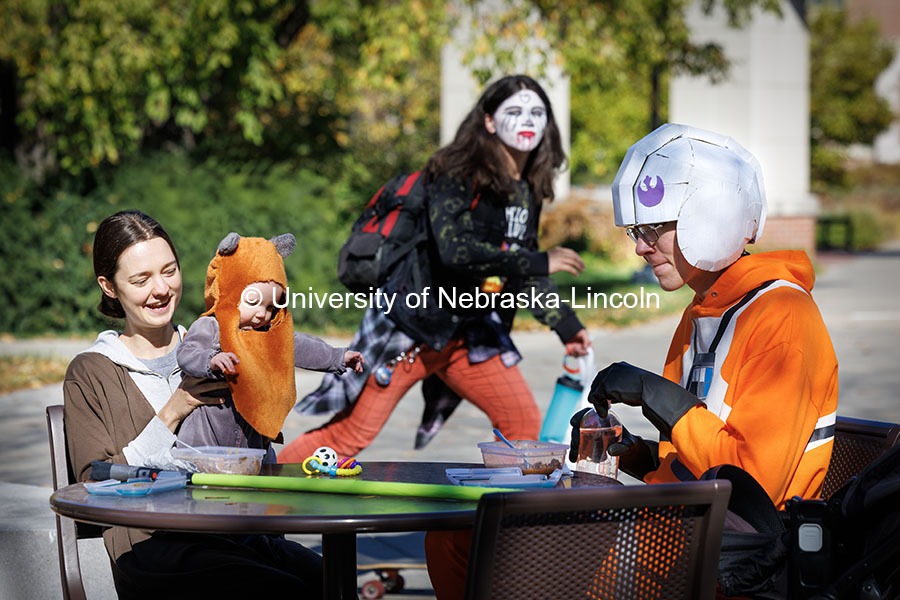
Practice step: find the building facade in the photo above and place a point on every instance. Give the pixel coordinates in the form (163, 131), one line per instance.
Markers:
(763, 103)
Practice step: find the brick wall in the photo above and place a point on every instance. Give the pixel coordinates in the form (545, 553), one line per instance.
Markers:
(788, 233)
(885, 12)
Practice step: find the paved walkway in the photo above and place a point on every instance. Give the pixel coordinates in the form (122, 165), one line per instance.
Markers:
(857, 294)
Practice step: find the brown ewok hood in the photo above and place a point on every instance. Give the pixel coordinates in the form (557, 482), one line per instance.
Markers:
(263, 387)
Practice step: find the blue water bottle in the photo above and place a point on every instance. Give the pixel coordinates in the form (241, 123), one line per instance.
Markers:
(566, 397)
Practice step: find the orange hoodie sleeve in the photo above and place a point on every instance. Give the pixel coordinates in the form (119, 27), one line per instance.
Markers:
(781, 378)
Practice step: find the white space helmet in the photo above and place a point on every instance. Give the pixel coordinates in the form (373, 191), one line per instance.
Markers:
(707, 182)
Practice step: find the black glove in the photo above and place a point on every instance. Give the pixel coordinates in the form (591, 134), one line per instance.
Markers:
(575, 422)
(637, 456)
(663, 402)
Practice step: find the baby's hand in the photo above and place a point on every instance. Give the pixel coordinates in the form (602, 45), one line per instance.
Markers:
(354, 360)
(224, 362)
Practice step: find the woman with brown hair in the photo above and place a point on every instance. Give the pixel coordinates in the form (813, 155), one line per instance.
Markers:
(124, 400)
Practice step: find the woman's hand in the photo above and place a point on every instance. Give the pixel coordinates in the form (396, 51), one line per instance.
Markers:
(579, 344)
(564, 259)
(192, 392)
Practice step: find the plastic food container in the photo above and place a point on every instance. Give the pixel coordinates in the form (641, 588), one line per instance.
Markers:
(220, 459)
(531, 456)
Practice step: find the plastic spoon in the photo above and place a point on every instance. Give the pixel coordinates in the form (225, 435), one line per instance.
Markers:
(508, 443)
(181, 444)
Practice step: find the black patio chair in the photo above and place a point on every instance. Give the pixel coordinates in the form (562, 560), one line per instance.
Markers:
(857, 442)
(654, 541)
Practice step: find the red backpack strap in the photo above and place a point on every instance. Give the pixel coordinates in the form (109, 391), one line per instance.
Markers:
(371, 226)
(390, 221)
(477, 196)
(374, 198)
(408, 183)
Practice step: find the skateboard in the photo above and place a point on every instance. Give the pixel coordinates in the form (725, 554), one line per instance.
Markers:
(386, 555)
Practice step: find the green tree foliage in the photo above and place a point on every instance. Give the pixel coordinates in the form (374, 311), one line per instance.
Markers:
(845, 60)
(341, 87)
(46, 242)
(392, 95)
(606, 120)
(101, 80)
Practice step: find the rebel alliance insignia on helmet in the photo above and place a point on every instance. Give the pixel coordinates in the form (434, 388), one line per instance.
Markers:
(651, 194)
(706, 181)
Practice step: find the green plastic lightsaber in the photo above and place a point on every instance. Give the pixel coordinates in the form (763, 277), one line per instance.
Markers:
(346, 486)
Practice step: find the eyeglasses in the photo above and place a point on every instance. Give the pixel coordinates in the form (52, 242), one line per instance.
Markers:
(649, 233)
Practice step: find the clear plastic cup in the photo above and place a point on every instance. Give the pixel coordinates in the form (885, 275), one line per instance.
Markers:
(596, 436)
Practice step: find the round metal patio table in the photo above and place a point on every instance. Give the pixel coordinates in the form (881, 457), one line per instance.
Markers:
(338, 517)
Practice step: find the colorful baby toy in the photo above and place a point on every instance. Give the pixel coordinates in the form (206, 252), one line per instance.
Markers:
(325, 460)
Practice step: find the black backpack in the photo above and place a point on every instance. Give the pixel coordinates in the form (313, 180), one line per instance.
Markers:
(860, 555)
(843, 547)
(391, 226)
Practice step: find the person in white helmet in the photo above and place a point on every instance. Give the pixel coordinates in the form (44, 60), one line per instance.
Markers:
(751, 376)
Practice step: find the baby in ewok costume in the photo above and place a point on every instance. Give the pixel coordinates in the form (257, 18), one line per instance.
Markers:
(246, 339)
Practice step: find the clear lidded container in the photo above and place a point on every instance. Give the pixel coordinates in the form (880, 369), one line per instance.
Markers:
(595, 437)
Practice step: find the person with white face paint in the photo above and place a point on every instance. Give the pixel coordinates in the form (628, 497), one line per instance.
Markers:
(520, 121)
(485, 191)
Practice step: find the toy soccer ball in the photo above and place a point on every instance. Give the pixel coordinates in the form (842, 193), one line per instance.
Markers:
(326, 456)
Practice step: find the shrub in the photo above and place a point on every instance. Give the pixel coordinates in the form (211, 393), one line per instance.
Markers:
(48, 275)
(854, 229)
(46, 240)
(828, 166)
(586, 225)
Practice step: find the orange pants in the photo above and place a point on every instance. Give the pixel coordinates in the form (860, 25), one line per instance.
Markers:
(447, 558)
(500, 391)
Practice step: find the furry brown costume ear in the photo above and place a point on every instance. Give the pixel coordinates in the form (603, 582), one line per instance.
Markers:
(227, 247)
(230, 243)
(284, 244)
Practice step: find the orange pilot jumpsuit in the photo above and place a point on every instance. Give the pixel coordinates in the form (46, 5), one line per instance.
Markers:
(770, 396)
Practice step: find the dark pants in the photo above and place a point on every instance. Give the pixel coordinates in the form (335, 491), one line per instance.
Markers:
(196, 565)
